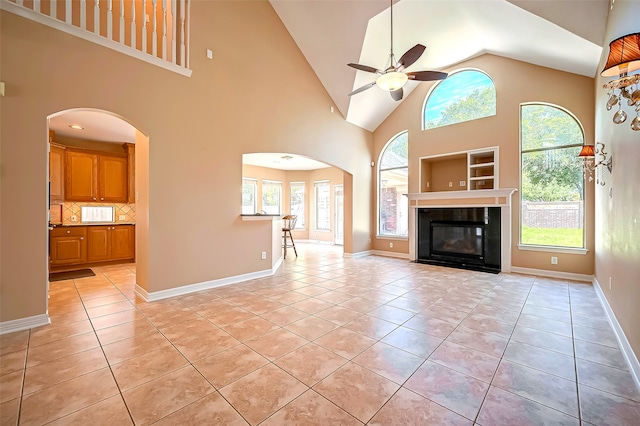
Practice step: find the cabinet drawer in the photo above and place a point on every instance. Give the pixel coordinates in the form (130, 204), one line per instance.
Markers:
(69, 231)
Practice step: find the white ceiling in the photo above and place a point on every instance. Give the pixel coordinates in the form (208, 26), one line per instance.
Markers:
(564, 34)
(97, 126)
(282, 161)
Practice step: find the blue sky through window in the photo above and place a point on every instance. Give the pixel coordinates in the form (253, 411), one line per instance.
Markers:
(453, 89)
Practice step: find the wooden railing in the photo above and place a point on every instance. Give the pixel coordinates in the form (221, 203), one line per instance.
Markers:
(153, 30)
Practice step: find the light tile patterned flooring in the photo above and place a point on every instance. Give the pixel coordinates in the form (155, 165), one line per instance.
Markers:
(329, 341)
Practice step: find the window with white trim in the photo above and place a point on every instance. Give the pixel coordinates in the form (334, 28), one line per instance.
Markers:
(322, 191)
(296, 202)
(249, 201)
(271, 196)
(463, 96)
(393, 182)
(552, 182)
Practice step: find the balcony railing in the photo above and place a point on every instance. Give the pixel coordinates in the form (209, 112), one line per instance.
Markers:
(156, 31)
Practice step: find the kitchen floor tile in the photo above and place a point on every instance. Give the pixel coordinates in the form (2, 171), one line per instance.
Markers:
(389, 362)
(345, 342)
(311, 363)
(311, 409)
(211, 409)
(230, 365)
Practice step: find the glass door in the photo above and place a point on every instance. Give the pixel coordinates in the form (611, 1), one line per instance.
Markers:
(338, 235)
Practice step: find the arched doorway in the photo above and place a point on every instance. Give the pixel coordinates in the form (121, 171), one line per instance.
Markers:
(98, 186)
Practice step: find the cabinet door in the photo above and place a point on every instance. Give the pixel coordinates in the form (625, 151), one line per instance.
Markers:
(112, 182)
(68, 250)
(81, 178)
(98, 245)
(56, 175)
(123, 242)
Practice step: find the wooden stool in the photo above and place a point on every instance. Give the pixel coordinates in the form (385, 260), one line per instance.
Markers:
(289, 224)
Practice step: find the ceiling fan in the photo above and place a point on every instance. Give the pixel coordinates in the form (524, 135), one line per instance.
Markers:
(393, 78)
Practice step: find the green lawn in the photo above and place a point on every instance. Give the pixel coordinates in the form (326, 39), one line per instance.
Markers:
(560, 237)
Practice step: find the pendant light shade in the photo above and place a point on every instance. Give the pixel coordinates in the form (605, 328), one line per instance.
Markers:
(624, 56)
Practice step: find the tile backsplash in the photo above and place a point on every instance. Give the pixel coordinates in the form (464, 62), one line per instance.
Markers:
(70, 209)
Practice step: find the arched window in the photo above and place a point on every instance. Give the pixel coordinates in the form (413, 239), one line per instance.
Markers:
(552, 183)
(393, 181)
(464, 95)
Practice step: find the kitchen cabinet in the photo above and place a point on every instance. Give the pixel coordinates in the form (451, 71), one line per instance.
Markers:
(68, 246)
(95, 177)
(56, 174)
(111, 242)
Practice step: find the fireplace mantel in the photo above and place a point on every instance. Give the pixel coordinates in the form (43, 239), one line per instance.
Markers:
(479, 198)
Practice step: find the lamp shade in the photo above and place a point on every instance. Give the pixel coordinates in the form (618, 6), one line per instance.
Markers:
(624, 56)
(587, 151)
(392, 81)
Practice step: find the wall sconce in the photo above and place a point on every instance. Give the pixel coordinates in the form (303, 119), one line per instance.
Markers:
(624, 57)
(590, 165)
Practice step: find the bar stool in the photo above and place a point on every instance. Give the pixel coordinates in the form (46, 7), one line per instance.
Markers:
(289, 223)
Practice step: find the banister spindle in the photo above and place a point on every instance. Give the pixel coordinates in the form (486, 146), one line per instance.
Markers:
(53, 11)
(174, 38)
(121, 22)
(36, 6)
(133, 24)
(145, 49)
(182, 32)
(96, 18)
(164, 29)
(188, 34)
(83, 13)
(110, 19)
(154, 24)
(67, 11)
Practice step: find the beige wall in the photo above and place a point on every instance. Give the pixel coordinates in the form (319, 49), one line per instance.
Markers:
(617, 203)
(198, 128)
(516, 82)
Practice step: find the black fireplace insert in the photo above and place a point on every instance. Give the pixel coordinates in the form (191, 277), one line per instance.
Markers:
(467, 238)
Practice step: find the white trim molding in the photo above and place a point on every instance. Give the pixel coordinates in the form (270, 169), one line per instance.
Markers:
(207, 285)
(390, 254)
(552, 274)
(625, 346)
(24, 323)
(357, 254)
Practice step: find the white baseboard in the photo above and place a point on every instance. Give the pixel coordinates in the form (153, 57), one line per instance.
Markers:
(625, 346)
(24, 323)
(192, 288)
(390, 254)
(358, 254)
(552, 274)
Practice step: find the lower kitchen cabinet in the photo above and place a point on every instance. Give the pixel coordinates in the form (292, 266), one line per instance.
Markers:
(84, 245)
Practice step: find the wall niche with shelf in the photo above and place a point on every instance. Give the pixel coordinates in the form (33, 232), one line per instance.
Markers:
(461, 171)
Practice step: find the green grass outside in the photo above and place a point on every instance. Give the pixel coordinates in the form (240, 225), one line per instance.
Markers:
(559, 237)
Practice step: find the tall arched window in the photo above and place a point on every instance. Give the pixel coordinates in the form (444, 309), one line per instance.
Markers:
(393, 181)
(552, 184)
(463, 96)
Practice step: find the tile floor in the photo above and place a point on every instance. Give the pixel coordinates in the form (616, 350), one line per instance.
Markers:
(327, 340)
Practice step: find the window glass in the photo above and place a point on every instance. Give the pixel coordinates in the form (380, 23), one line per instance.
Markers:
(393, 178)
(463, 96)
(249, 196)
(552, 189)
(323, 199)
(271, 196)
(296, 202)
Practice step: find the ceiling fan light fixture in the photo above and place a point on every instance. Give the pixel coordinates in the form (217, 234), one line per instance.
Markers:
(392, 81)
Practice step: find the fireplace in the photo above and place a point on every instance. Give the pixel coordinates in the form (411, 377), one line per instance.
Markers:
(467, 238)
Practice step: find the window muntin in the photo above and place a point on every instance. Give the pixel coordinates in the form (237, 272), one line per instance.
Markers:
(249, 201)
(296, 202)
(322, 192)
(463, 96)
(393, 182)
(271, 196)
(552, 183)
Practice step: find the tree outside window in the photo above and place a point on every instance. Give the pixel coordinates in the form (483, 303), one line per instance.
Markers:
(323, 199)
(552, 189)
(249, 187)
(296, 202)
(393, 178)
(271, 196)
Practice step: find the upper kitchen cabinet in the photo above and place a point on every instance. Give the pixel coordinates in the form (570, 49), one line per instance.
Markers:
(56, 174)
(95, 177)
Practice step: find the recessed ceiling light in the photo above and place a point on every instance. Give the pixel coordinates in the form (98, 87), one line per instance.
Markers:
(76, 127)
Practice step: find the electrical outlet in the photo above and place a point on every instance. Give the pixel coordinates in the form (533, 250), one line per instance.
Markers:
(264, 255)
(554, 260)
(463, 183)
(609, 283)
(74, 218)
(390, 245)
(122, 217)
(450, 184)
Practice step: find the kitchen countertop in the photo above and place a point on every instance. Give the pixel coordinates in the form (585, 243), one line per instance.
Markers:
(60, 225)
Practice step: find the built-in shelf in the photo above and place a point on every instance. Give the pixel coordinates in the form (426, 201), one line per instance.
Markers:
(460, 171)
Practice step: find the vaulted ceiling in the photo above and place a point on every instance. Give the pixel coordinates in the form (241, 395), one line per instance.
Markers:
(567, 35)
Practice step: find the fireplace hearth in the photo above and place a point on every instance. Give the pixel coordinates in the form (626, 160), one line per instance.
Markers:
(467, 238)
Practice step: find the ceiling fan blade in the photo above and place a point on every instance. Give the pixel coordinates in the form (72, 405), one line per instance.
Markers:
(397, 94)
(365, 68)
(363, 88)
(427, 75)
(410, 57)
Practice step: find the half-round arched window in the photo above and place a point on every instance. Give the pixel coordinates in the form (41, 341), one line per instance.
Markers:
(464, 95)
(393, 182)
